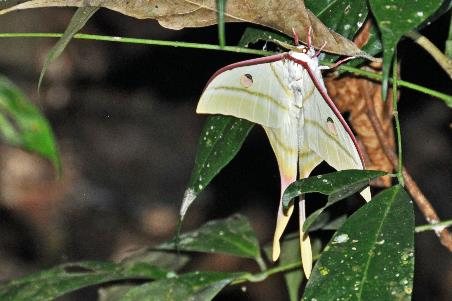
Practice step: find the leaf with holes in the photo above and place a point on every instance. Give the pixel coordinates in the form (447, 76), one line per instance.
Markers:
(55, 282)
(22, 125)
(280, 15)
(371, 255)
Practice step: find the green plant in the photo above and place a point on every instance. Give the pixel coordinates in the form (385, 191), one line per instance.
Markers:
(371, 255)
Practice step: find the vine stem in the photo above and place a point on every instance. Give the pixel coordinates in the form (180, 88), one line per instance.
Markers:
(395, 111)
(421, 200)
(446, 98)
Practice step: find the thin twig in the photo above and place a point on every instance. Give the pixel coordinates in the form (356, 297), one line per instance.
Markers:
(434, 227)
(421, 200)
(446, 98)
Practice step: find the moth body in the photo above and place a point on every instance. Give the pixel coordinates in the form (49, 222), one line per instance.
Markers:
(286, 95)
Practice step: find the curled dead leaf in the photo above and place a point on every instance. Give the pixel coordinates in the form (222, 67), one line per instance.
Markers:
(280, 15)
(350, 94)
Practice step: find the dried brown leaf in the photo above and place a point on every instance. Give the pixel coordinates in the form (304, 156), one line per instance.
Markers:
(280, 15)
(349, 93)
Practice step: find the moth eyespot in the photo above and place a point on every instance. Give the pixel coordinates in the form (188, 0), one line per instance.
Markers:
(304, 50)
(331, 126)
(246, 80)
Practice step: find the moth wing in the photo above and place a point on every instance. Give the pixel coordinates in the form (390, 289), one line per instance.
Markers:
(284, 142)
(256, 92)
(326, 132)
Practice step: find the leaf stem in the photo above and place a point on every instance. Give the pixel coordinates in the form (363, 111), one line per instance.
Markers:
(395, 71)
(446, 98)
(434, 226)
(265, 274)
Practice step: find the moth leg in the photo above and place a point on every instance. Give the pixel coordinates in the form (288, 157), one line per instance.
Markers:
(337, 63)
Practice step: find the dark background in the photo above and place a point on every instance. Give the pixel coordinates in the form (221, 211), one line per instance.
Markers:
(126, 127)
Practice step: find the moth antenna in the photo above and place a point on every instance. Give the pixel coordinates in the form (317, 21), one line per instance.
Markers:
(309, 36)
(320, 50)
(338, 63)
(296, 41)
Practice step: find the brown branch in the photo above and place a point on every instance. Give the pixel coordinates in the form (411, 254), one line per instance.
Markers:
(422, 202)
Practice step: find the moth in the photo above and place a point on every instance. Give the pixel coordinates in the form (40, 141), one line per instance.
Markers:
(286, 95)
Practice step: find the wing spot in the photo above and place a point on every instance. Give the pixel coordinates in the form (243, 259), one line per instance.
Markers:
(246, 80)
(331, 126)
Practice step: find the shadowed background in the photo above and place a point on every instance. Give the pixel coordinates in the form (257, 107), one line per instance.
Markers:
(124, 118)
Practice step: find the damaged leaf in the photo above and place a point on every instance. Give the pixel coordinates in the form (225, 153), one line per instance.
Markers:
(281, 15)
(350, 94)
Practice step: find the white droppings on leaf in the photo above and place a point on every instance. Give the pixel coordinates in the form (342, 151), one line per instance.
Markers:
(341, 238)
(420, 14)
(380, 242)
(171, 275)
(200, 186)
(347, 26)
(189, 197)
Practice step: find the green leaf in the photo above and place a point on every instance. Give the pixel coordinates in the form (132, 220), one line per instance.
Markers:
(372, 47)
(220, 140)
(342, 16)
(371, 255)
(114, 293)
(221, 4)
(290, 254)
(197, 286)
(252, 35)
(55, 282)
(395, 18)
(324, 222)
(162, 259)
(232, 235)
(337, 185)
(79, 19)
(22, 125)
(449, 41)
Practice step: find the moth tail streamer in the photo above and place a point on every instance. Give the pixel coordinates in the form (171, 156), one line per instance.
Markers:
(281, 223)
(305, 242)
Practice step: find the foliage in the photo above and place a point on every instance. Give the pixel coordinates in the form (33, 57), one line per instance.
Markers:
(370, 256)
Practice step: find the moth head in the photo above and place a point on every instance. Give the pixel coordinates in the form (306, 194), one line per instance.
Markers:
(303, 53)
